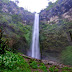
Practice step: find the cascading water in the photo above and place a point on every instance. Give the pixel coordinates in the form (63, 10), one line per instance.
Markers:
(35, 38)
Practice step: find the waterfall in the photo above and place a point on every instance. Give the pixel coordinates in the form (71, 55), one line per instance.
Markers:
(35, 38)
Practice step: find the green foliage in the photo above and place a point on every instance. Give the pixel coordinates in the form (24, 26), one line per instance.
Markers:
(66, 55)
(52, 69)
(3, 20)
(54, 37)
(56, 70)
(34, 65)
(11, 62)
(5, 1)
(8, 18)
(51, 5)
(43, 67)
(65, 71)
(31, 60)
(65, 68)
(36, 71)
(15, 27)
(16, 18)
(2, 44)
(16, 31)
(22, 30)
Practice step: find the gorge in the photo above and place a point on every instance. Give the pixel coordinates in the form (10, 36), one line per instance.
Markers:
(47, 36)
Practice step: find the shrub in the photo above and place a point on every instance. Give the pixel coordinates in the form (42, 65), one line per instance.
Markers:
(36, 71)
(43, 67)
(13, 62)
(65, 68)
(56, 70)
(31, 60)
(34, 65)
(2, 44)
(5, 1)
(52, 69)
(65, 71)
(16, 18)
(66, 55)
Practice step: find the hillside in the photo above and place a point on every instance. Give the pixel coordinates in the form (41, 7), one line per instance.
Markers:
(56, 32)
(55, 38)
(17, 62)
(16, 24)
(10, 62)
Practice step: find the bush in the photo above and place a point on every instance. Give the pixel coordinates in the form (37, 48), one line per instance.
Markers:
(13, 62)
(16, 18)
(56, 70)
(10, 62)
(43, 67)
(52, 69)
(65, 71)
(2, 44)
(5, 1)
(66, 56)
(36, 71)
(34, 65)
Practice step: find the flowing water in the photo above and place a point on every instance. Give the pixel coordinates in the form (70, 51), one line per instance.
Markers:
(35, 38)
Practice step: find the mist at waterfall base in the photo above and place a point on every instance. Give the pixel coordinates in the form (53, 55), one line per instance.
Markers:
(35, 50)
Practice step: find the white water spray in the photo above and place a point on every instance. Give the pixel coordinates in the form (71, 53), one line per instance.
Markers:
(35, 38)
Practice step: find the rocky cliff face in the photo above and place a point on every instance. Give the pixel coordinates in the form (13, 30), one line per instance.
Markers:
(17, 25)
(62, 8)
(56, 31)
(11, 8)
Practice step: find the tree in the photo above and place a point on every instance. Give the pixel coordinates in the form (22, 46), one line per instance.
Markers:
(50, 3)
(16, 1)
(3, 44)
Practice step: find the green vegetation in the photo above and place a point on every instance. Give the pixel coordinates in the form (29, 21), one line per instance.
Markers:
(2, 44)
(56, 70)
(16, 32)
(34, 65)
(66, 68)
(53, 69)
(10, 62)
(65, 71)
(67, 56)
(36, 71)
(5, 1)
(54, 38)
(43, 67)
(31, 60)
(51, 5)
(17, 25)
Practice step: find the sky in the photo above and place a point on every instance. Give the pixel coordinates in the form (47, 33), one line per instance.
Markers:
(33, 5)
